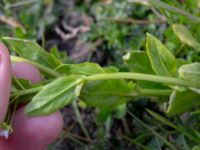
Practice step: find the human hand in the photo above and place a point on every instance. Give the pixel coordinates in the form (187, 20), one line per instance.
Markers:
(29, 133)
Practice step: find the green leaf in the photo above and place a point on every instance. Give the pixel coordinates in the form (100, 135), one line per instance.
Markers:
(54, 51)
(185, 36)
(32, 51)
(60, 55)
(180, 102)
(121, 111)
(103, 114)
(162, 61)
(110, 69)
(190, 72)
(197, 90)
(180, 62)
(139, 62)
(86, 68)
(54, 96)
(107, 93)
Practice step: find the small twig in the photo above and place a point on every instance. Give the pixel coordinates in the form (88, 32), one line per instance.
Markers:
(68, 28)
(11, 21)
(145, 2)
(158, 14)
(69, 136)
(180, 48)
(22, 3)
(73, 31)
(66, 130)
(134, 142)
(13, 113)
(133, 21)
(82, 138)
(85, 51)
(65, 133)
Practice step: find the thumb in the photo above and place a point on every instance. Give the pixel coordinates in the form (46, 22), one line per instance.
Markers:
(5, 80)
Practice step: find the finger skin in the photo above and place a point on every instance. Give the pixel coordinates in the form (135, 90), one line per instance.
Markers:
(31, 133)
(26, 71)
(5, 80)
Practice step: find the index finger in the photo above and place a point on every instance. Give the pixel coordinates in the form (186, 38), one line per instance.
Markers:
(5, 80)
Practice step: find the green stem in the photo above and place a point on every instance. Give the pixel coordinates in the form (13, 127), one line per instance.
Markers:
(26, 92)
(161, 4)
(19, 4)
(143, 92)
(41, 67)
(13, 113)
(135, 142)
(155, 92)
(141, 76)
(155, 133)
(80, 121)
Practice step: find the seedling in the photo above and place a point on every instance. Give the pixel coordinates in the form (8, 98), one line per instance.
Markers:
(103, 87)
(155, 72)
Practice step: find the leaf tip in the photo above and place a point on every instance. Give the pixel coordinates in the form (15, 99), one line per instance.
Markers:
(149, 35)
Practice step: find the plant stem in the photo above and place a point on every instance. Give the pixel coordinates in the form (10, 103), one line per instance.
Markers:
(161, 4)
(26, 92)
(135, 142)
(145, 77)
(13, 113)
(133, 21)
(18, 4)
(41, 67)
(80, 121)
(155, 133)
(143, 92)
(155, 92)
